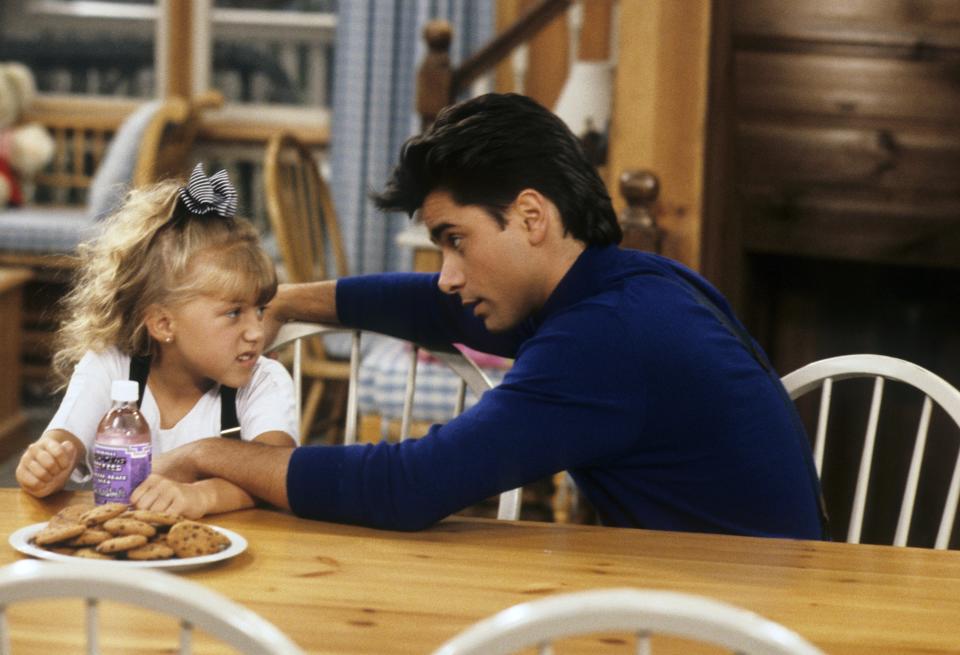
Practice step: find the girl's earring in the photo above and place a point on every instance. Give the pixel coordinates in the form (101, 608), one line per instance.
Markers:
(168, 340)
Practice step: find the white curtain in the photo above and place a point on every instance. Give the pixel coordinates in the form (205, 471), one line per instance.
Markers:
(379, 47)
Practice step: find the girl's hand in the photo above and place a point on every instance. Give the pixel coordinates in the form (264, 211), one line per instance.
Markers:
(45, 466)
(160, 494)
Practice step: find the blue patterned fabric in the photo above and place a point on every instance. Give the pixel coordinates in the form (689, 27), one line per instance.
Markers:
(379, 46)
(383, 383)
(45, 229)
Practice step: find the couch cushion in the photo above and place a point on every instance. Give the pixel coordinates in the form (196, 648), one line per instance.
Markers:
(45, 229)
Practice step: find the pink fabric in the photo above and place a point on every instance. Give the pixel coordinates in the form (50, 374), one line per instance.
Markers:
(483, 360)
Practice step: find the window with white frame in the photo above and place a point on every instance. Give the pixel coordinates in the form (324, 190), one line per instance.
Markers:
(254, 52)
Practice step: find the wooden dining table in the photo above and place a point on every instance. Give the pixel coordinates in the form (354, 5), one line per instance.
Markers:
(344, 589)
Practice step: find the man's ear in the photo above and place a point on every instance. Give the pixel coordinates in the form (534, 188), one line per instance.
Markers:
(534, 210)
(159, 323)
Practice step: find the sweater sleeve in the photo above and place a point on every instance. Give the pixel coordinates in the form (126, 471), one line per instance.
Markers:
(540, 420)
(411, 306)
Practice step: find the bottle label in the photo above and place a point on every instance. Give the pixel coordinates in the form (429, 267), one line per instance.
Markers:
(118, 470)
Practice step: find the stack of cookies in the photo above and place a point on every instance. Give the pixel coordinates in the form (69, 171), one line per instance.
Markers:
(116, 531)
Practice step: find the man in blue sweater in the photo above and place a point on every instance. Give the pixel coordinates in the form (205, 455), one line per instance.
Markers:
(631, 371)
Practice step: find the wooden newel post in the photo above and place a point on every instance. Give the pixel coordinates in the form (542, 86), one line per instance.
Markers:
(435, 77)
(638, 220)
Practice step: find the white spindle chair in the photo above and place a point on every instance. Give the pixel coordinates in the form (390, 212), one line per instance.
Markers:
(825, 372)
(537, 624)
(470, 377)
(196, 606)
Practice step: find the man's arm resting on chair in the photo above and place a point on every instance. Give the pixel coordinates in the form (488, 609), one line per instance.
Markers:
(259, 469)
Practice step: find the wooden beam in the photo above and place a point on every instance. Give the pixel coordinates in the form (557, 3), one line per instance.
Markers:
(507, 12)
(659, 111)
(548, 59)
(177, 49)
(594, 42)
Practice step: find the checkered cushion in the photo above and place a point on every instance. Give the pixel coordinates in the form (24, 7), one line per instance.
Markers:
(383, 379)
(45, 229)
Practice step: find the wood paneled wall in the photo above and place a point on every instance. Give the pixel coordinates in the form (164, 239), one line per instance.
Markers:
(849, 129)
(846, 182)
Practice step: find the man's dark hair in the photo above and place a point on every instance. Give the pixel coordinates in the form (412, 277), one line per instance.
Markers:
(486, 150)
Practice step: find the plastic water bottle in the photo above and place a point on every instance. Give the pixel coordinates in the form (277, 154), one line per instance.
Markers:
(121, 449)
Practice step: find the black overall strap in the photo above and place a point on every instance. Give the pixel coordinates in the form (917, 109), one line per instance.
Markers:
(229, 423)
(139, 371)
(741, 334)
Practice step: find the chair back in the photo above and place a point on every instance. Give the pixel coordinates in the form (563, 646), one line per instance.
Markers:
(301, 212)
(471, 377)
(195, 606)
(643, 613)
(822, 374)
(307, 231)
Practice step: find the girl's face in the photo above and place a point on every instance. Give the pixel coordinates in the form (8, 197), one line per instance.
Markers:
(217, 339)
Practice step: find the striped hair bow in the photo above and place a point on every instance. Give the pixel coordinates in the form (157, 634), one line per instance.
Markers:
(209, 195)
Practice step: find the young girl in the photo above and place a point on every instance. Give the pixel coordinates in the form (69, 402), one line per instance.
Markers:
(173, 292)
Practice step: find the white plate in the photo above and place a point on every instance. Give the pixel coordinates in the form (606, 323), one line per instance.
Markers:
(20, 540)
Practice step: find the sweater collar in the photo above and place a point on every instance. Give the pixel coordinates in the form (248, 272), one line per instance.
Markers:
(585, 278)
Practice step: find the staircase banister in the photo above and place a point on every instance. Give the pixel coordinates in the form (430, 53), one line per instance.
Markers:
(500, 47)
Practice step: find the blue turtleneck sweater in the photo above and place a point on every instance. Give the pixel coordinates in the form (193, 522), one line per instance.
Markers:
(662, 416)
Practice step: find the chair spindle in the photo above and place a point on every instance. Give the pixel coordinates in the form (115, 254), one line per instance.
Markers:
(949, 509)
(186, 638)
(93, 631)
(913, 477)
(866, 460)
(644, 647)
(409, 390)
(297, 375)
(826, 393)
(350, 431)
(4, 632)
(461, 398)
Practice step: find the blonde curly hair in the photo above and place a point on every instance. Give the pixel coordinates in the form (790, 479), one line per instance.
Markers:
(153, 251)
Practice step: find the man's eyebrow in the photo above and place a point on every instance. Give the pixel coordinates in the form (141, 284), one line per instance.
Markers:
(437, 232)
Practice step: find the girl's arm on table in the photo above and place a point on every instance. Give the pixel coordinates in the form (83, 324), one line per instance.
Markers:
(175, 489)
(47, 463)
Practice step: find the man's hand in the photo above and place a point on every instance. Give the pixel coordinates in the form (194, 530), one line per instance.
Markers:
(160, 494)
(177, 464)
(273, 318)
(46, 465)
